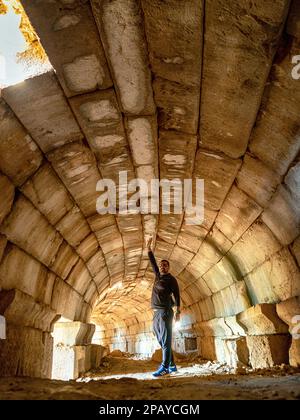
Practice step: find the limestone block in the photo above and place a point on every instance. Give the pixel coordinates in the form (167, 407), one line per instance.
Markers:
(207, 309)
(276, 280)
(96, 263)
(7, 197)
(142, 137)
(254, 248)
(20, 271)
(237, 352)
(218, 239)
(275, 139)
(81, 181)
(222, 275)
(208, 348)
(283, 216)
(97, 354)
(88, 247)
(241, 37)
(268, 350)
(2, 328)
(91, 294)
(180, 258)
(85, 312)
(73, 333)
(28, 229)
(216, 327)
(3, 242)
(237, 214)
(178, 105)
(65, 300)
(218, 173)
(288, 311)
(189, 242)
(26, 352)
(176, 61)
(79, 277)
(236, 328)
(69, 34)
(109, 239)
(43, 96)
(231, 300)
(19, 155)
(207, 256)
(21, 309)
(73, 227)
(47, 193)
(121, 28)
(257, 180)
(65, 260)
(261, 320)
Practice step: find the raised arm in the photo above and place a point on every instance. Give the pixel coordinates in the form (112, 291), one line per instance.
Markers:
(152, 258)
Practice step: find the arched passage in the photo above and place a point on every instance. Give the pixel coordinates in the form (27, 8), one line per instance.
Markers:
(221, 106)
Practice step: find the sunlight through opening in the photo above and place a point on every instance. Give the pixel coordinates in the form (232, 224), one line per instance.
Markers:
(21, 53)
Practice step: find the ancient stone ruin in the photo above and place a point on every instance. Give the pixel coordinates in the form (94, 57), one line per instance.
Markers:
(204, 89)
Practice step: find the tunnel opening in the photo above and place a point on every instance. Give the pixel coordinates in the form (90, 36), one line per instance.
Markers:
(21, 53)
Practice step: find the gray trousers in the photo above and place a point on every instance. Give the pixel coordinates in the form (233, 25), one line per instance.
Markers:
(162, 326)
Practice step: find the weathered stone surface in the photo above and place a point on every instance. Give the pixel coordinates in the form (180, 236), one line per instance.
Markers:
(276, 280)
(237, 214)
(79, 278)
(254, 247)
(231, 300)
(257, 180)
(275, 139)
(69, 34)
(178, 105)
(42, 96)
(236, 33)
(88, 247)
(20, 271)
(180, 258)
(73, 227)
(208, 255)
(120, 25)
(289, 312)
(262, 320)
(65, 260)
(218, 173)
(26, 352)
(7, 197)
(73, 333)
(283, 216)
(28, 229)
(221, 275)
(66, 301)
(77, 168)
(19, 155)
(47, 193)
(268, 350)
(20, 309)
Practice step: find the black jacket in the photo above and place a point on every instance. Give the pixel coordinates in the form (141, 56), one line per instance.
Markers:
(164, 287)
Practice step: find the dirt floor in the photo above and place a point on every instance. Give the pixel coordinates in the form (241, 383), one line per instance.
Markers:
(128, 378)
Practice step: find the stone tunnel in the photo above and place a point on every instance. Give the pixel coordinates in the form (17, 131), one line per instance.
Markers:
(166, 89)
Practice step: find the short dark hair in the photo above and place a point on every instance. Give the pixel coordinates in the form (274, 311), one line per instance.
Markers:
(166, 262)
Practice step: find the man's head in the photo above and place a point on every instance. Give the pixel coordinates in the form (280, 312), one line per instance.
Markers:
(164, 266)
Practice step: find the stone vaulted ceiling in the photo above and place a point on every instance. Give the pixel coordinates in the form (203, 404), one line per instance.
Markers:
(159, 88)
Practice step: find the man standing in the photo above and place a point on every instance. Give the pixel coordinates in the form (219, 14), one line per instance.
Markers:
(164, 289)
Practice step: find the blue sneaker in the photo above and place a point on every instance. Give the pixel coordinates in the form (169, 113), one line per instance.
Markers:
(162, 371)
(172, 368)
